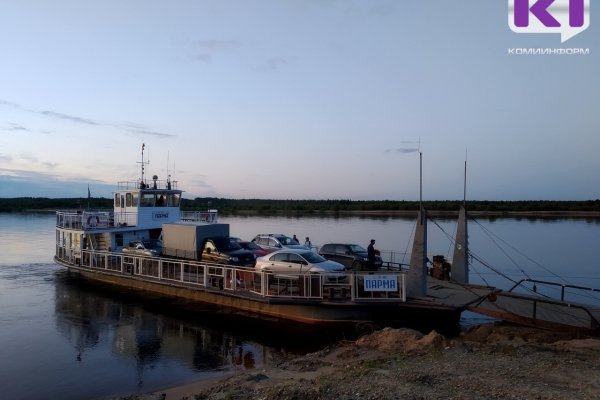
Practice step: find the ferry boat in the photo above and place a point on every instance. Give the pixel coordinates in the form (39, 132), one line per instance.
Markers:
(91, 243)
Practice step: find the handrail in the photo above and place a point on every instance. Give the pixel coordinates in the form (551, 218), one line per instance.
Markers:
(193, 273)
(535, 300)
(562, 285)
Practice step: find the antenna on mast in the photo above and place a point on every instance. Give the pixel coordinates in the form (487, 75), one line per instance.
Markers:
(465, 181)
(420, 180)
(168, 174)
(143, 164)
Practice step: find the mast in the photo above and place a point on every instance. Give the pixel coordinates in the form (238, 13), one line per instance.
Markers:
(416, 279)
(460, 264)
(143, 163)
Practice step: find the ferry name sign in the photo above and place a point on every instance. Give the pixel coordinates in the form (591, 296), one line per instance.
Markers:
(381, 283)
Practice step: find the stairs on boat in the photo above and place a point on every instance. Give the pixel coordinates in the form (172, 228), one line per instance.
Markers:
(100, 242)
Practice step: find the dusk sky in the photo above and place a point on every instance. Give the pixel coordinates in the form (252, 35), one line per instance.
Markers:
(295, 99)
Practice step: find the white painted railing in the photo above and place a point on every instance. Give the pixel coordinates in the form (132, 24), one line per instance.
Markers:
(363, 286)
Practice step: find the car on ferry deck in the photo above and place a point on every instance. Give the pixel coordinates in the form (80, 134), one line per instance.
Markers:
(146, 247)
(353, 256)
(253, 247)
(277, 241)
(223, 250)
(300, 261)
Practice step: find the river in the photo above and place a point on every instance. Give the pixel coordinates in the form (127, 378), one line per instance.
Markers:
(63, 338)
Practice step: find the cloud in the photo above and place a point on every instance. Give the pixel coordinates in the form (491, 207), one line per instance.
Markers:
(15, 127)
(141, 130)
(276, 62)
(9, 104)
(50, 165)
(402, 150)
(151, 133)
(218, 44)
(19, 183)
(205, 58)
(126, 126)
(213, 45)
(69, 117)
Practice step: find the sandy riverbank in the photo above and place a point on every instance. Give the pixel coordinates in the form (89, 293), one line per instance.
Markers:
(493, 361)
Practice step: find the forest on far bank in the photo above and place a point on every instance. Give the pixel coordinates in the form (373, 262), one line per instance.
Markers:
(264, 206)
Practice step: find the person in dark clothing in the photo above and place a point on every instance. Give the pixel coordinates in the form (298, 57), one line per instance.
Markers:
(371, 255)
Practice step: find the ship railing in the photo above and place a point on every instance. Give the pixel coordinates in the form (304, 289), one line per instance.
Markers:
(393, 258)
(158, 184)
(123, 218)
(367, 286)
(84, 219)
(209, 217)
(564, 288)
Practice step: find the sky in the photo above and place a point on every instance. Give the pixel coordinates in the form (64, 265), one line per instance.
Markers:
(295, 99)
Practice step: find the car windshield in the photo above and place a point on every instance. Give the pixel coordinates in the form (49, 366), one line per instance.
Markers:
(357, 249)
(286, 241)
(250, 246)
(225, 244)
(312, 258)
(153, 244)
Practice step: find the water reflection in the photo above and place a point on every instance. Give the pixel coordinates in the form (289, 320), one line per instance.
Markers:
(89, 314)
(140, 347)
(158, 341)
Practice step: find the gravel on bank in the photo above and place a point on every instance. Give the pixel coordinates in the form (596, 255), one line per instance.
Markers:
(491, 361)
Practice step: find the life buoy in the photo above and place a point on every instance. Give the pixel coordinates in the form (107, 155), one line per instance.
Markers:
(93, 221)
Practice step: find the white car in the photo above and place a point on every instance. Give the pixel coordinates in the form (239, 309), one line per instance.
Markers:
(148, 247)
(291, 262)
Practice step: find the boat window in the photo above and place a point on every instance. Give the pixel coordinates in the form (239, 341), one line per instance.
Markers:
(147, 200)
(128, 199)
(119, 239)
(174, 200)
(134, 200)
(161, 201)
(117, 200)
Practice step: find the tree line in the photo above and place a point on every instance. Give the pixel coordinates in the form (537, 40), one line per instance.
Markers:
(265, 206)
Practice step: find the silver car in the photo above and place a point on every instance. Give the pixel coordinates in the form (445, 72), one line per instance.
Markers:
(277, 241)
(300, 261)
(150, 248)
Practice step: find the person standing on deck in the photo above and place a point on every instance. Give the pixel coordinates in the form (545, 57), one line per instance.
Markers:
(295, 239)
(371, 255)
(307, 243)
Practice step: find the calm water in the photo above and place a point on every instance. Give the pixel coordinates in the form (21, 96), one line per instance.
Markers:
(62, 338)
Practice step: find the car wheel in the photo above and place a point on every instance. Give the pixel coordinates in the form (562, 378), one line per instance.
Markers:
(356, 266)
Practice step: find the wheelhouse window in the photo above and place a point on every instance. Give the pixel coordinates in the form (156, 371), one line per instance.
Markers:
(174, 199)
(128, 199)
(147, 200)
(117, 200)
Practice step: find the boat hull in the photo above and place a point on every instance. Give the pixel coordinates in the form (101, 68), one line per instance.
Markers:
(355, 315)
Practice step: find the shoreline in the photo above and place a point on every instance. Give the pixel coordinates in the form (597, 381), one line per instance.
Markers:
(454, 214)
(487, 361)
